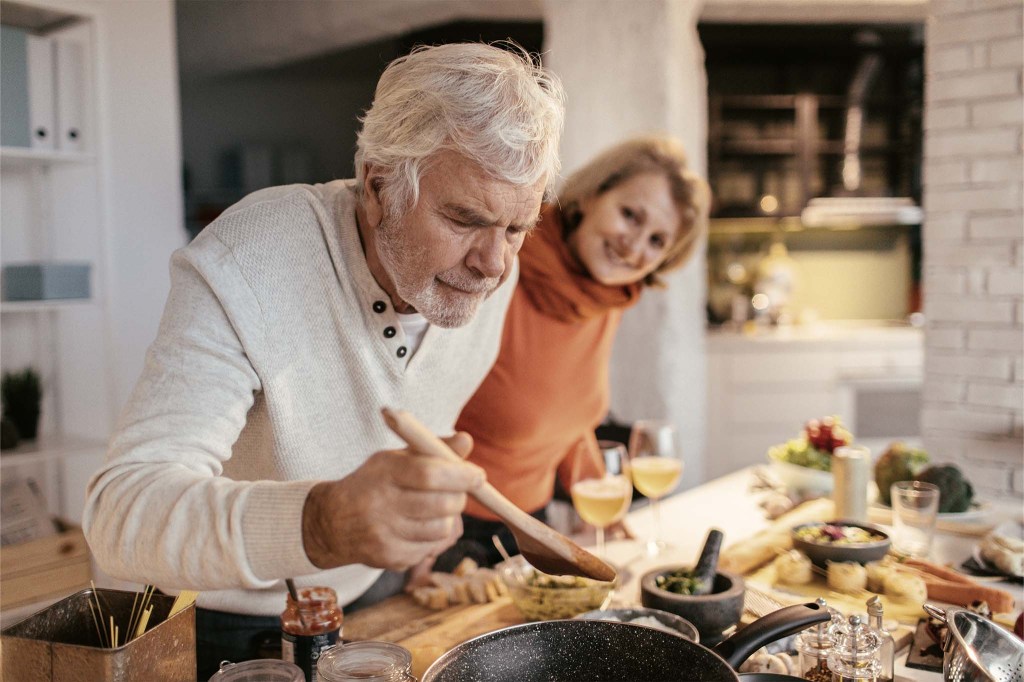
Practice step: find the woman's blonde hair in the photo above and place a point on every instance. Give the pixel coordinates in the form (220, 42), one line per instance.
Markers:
(494, 105)
(647, 154)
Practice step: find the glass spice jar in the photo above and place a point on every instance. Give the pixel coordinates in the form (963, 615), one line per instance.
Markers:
(813, 646)
(854, 656)
(309, 626)
(366, 662)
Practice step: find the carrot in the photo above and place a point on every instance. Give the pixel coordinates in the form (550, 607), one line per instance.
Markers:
(942, 572)
(963, 594)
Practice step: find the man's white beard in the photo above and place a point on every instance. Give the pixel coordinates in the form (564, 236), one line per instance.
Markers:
(446, 309)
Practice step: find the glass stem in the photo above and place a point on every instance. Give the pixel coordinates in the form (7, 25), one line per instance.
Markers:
(600, 542)
(656, 536)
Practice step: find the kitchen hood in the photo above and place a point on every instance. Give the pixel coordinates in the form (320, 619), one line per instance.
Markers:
(849, 209)
(854, 212)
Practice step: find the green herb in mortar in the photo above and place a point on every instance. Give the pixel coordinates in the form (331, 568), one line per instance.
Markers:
(679, 582)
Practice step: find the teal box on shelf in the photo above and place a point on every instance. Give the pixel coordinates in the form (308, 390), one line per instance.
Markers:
(46, 281)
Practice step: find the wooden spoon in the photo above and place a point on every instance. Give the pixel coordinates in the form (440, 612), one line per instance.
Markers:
(546, 549)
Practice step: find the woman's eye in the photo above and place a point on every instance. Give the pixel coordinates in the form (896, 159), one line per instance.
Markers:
(657, 241)
(628, 213)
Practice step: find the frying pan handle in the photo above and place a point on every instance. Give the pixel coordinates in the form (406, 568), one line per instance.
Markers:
(775, 625)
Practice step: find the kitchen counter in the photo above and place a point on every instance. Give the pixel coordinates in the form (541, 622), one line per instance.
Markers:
(763, 387)
(831, 333)
(724, 503)
(727, 504)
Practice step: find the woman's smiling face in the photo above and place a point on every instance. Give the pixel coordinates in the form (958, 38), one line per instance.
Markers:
(625, 232)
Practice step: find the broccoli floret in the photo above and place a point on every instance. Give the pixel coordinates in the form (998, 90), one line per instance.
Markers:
(898, 463)
(955, 491)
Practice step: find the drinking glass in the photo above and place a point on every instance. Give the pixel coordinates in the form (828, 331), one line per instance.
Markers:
(603, 499)
(657, 467)
(915, 506)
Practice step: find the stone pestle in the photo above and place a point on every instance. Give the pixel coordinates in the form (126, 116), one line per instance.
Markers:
(707, 564)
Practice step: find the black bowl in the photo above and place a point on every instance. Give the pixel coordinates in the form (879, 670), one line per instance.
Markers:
(820, 553)
(712, 614)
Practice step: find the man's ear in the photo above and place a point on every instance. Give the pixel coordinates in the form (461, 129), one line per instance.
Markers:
(373, 205)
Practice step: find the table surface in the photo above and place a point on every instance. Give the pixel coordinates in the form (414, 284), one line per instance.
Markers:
(725, 503)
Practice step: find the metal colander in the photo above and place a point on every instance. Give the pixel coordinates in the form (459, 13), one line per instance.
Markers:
(978, 649)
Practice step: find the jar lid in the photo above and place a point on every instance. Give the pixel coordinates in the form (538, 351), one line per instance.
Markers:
(260, 670)
(855, 642)
(378, 661)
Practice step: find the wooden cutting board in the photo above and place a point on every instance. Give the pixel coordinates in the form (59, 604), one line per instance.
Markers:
(426, 633)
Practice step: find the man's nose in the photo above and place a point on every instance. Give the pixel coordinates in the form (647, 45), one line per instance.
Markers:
(487, 257)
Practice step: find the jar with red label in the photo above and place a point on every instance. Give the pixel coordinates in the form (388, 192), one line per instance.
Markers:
(309, 626)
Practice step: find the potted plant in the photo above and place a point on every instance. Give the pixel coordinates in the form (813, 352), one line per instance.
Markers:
(22, 394)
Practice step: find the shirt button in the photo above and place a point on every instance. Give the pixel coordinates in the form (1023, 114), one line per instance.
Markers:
(402, 351)
(389, 332)
(379, 306)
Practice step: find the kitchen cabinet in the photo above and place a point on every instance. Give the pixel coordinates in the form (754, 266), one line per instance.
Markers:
(52, 211)
(784, 104)
(763, 388)
(769, 155)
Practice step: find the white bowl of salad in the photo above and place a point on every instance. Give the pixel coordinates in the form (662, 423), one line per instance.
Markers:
(804, 464)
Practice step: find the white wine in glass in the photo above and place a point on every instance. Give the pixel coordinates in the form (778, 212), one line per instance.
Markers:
(604, 499)
(657, 466)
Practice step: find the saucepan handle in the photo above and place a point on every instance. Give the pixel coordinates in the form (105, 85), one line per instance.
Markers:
(775, 625)
(935, 612)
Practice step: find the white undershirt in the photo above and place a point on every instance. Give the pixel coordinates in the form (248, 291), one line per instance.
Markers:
(415, 326)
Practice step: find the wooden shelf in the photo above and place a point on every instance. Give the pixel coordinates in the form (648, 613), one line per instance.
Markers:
(50, 447)
(764, 146)
(44, 306)
(26, 156)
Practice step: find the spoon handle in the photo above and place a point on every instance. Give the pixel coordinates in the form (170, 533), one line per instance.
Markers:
(416, 435)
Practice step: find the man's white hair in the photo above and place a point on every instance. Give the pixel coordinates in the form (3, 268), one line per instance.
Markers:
(493, 105)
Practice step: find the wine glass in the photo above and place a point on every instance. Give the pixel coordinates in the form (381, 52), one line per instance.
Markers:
(657, 466)
(603, 498)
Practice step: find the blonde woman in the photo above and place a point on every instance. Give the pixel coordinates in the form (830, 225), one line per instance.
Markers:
(632, 214)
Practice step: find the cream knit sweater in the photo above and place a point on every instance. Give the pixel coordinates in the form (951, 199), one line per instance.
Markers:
(267, 375)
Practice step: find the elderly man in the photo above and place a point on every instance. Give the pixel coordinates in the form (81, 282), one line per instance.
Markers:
(252, 449)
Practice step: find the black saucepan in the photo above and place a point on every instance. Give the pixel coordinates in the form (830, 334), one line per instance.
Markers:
(590, 650)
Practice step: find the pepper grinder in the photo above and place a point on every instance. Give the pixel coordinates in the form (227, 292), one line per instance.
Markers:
(814, 645)
(887, 649)
(854, 655)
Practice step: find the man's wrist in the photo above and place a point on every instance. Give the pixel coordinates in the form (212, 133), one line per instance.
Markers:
(312, 527)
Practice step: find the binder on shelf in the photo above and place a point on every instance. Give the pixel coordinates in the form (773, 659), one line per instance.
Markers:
(70, 89)
(41, 93)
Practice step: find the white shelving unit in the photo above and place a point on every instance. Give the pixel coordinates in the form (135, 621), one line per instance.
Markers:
(52, 209)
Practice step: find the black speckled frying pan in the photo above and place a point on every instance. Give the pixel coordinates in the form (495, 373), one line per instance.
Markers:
(592, 650)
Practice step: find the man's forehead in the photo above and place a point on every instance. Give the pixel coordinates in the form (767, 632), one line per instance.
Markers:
(458, 185)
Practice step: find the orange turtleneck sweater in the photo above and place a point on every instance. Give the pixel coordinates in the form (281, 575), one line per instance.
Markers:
(534, 415)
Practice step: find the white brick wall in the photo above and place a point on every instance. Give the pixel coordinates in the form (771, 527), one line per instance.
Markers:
(973, 411)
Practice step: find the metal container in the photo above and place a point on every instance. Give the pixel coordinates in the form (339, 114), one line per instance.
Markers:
(61, 644)
(978, 650)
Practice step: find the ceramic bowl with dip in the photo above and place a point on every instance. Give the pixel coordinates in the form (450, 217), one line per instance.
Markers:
(540, 596)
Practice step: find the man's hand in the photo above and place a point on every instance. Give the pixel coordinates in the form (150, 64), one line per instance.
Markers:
(399, 508)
